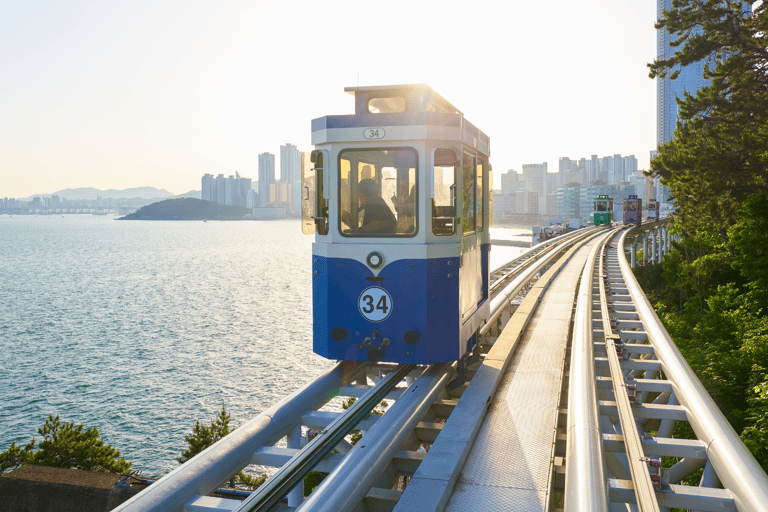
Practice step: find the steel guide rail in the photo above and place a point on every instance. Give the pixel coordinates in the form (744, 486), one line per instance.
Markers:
(644, 386)
(302, 463)
(187, 487)
(728, 460)
(500, 275)
(432, 484)
(641, 479)
(585, 483)
(526, 273)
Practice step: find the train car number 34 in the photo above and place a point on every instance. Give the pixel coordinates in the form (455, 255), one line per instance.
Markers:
(375, 304)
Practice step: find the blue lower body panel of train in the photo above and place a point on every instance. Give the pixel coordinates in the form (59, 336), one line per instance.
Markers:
(408, 313)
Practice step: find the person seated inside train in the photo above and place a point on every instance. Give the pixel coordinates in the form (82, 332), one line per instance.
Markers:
(405, 206)
(377, 217)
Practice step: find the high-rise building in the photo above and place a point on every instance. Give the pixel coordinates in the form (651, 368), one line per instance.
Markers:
(535, 178)
(221, 189)
(290, 173)
(630, 167)
(510, 182)
(691, 79)
(266, 177)
(209, 188)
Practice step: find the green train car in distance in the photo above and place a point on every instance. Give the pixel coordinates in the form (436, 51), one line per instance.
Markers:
(603, 213)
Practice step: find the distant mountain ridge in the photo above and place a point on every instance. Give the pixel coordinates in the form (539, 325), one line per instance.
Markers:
(89, 193)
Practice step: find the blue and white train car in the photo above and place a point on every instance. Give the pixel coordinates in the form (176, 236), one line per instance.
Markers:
(398, 197)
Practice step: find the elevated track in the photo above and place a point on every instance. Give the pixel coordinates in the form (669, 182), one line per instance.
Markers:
(531, 424)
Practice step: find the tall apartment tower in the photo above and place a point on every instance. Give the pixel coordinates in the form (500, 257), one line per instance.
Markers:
(290, 173)
(266, 177)
(535, 178)
(691, 79)
(208, 192)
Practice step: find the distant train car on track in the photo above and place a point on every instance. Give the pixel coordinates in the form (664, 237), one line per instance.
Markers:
(398, 196)
(603, 210)
(653, 210)
(633, 210)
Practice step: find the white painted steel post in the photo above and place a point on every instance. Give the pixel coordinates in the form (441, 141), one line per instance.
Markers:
(645, 247)
(296, 495)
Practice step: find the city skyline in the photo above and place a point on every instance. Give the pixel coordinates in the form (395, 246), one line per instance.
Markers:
(145, 94)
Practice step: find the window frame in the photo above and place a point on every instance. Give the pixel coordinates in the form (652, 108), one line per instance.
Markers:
(415, 192)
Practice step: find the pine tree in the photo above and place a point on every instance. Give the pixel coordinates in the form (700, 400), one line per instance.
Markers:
(66, 445)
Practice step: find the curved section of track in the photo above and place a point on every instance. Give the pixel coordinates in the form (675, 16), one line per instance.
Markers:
(406, 427)
(629, 387)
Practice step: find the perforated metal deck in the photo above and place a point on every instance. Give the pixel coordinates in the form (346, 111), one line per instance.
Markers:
(509, 466)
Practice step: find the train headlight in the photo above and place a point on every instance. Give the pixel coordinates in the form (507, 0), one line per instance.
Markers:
(375, 260)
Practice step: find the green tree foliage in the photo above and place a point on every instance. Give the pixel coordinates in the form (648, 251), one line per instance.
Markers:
(718, 158)
(714, 306)
(65, 445)
(203, 436)
(715, 300)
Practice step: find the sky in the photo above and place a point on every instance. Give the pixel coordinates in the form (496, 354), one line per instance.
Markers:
(123, 94)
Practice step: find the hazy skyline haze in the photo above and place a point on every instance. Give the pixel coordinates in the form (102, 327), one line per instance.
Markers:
(119, 95)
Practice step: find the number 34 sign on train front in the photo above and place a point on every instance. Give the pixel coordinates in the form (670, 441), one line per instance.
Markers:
(375, 304)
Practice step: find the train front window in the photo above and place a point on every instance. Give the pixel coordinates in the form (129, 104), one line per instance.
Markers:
(377, 192)
(386, 105)
(444, 199)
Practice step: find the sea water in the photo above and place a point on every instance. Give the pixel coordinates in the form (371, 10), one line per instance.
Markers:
(141, 328)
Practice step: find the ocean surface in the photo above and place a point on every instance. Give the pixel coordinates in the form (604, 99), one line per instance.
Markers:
(141, 328)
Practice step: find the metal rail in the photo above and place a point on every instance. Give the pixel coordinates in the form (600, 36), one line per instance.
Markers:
(585, 482)
(735, 466)
(641, 479)
(208, 470)
(352, 480)
(638, 408)
(431, 486)
(300, 465)
(524, 273)
(501, 275)
(187, 487)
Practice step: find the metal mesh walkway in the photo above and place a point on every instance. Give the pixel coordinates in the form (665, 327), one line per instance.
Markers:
(509, 466)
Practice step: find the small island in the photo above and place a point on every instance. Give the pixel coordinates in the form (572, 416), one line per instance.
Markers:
(187, 208)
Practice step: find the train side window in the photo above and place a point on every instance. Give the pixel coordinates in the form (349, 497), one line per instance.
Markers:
(480, 194)
(444, 193)
(468, 194)
(378, 192)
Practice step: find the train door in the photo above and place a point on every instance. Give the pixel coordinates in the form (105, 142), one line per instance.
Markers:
(314, 198)
(470, 273)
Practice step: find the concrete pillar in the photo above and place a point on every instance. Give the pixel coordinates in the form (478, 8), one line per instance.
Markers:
(653, 245)
(645, 246)
(296, 495)
(633, 249)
